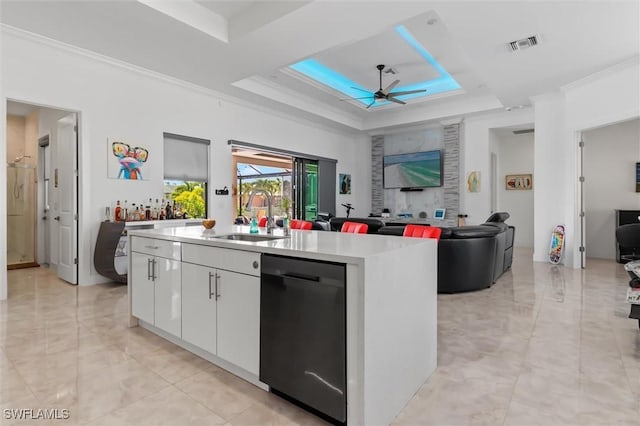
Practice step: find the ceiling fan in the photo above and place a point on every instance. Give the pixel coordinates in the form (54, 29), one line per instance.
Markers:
(386, 93)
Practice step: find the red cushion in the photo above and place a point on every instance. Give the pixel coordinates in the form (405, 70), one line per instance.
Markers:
(354, 228)
(422, 231)
(300, 224)
(262, 222)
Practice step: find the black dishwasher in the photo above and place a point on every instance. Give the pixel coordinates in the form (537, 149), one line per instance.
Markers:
(302, 332)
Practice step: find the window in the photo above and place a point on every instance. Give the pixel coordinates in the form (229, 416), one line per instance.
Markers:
(186, 173)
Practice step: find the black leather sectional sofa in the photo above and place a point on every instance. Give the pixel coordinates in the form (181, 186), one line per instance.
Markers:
(469, 257)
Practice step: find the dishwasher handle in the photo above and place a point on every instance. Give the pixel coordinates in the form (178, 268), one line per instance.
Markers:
(301, 276)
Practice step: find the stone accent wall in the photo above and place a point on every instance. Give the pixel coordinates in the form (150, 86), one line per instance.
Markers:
(377, 190)
(451, 181)
(449, 193)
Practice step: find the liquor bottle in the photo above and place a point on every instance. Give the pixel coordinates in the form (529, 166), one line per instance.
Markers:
(155, 212)
(132, 212)
(117, 211)
(167, 210)
(124, 216)
(147, 212)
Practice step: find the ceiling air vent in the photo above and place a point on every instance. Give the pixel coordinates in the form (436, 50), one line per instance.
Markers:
(524, 43)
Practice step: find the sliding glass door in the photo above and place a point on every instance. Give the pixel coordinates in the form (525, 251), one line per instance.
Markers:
(305, 188)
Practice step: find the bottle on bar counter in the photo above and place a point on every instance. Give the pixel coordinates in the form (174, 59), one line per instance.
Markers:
(124, 213)
(117, 211)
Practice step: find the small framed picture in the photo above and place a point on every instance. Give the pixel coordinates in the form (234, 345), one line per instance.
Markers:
(345, 183)
(519, 182)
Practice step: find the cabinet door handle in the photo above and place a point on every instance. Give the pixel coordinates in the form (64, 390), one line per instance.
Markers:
(153, 270)
(153, 247)
(210, 276)
(149, 269)
(217, 286)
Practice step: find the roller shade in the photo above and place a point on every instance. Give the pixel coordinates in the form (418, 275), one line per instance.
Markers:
(186, 158)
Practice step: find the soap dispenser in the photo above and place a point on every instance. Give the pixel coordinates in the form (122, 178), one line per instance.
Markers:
(253, 228)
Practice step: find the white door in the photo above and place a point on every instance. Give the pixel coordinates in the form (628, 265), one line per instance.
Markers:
(167, 295)
(239, 319)
(142, 287)
(66, 182)
(198, 294)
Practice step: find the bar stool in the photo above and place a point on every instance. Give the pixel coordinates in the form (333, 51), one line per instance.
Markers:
(354, 228)
(301, 224)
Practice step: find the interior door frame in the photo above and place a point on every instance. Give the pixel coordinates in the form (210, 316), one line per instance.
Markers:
(84, 271)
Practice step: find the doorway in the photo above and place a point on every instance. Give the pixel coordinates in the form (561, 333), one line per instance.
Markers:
(304, 185)
(42, 188)
(305, 189)
(609, 158)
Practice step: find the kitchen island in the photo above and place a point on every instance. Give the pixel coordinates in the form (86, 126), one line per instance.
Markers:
(391, 307)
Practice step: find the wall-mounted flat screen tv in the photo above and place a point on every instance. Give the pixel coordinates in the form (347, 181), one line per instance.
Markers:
(415, 170)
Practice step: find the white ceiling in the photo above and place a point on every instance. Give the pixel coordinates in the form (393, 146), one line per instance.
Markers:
(243, 48)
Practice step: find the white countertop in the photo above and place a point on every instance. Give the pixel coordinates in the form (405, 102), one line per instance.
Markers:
(321, 245)
(160, 223)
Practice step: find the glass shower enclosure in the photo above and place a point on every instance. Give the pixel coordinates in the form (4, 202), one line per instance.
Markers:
(21, 221)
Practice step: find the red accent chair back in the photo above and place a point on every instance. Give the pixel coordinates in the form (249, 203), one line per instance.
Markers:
(422, 231)
(262, 222)
(354, 228)
(301, 224)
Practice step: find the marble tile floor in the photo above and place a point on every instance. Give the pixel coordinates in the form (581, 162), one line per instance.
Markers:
(546, 345)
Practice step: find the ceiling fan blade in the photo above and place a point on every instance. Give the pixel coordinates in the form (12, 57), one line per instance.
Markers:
(373, 102)
(362, 90)
(398, 101)
(390, 87)
(407, 92)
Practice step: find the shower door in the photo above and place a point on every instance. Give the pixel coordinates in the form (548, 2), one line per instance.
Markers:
(21, 224)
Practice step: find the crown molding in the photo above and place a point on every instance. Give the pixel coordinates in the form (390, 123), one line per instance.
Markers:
(634, 61)
(108, 60)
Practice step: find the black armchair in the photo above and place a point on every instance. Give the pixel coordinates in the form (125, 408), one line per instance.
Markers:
(628, 236)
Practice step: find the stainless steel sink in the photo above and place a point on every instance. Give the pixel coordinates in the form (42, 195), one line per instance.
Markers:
(248, 237)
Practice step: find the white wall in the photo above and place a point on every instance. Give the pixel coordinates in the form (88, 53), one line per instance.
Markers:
(116, 100)
(3, 176)
(515, 156)
(476, 146)
(610, 156)
(604, 98)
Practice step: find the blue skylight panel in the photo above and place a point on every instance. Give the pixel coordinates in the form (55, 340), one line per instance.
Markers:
(331, 78)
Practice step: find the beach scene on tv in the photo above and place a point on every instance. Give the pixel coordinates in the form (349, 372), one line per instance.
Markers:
(416, 170)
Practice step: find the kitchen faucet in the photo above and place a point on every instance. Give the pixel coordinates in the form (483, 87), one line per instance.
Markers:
(267, 194)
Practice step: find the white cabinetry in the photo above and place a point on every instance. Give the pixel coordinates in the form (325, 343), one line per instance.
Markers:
(199, 301)
(155, 283)
(221, 299)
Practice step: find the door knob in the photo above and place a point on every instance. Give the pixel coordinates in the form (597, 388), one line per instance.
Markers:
(56, 218)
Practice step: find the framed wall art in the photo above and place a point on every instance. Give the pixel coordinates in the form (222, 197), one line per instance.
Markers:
(125, 161)
(519, 182)
(345, 183)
